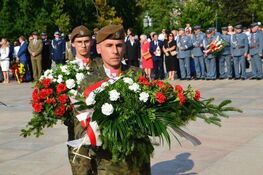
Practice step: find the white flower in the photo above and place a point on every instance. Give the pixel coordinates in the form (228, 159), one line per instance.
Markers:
(47, 72)
(64, 68)
(80, 77)
(73, 92)
(60, 76)
(128, 80)
(134, 87)
(107, 109)
(114, 95)
(41, 77)
(50, 76)
(54, 80)
(59, 80)
(144, 97)
(90, 100)
(70, 83)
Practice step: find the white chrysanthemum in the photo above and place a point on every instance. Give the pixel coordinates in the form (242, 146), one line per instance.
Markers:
(59, 80)
(90, 100)
(70, 83)
(107, 109)
(144, 97)
(64, 68)
(128, 80)
(73, 92)
(134, 87)
(80, 77)
(114, 95)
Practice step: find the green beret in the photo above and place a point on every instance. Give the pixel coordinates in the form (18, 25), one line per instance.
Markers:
(114, 32)
(80, 31)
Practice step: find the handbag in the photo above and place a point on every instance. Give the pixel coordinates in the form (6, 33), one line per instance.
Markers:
(147, 56)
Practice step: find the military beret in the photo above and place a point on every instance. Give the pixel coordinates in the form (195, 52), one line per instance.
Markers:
(112, 31)
(224, 28)
(57, 33)
(43, 33)
(197, 27)
(239, 26)
(34, 33)
(254, 24)
(79, 31)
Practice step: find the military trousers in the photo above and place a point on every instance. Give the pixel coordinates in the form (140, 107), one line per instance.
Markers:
(256, 64)
(239, 66)
(229, 65)
(37, 67)
(225, 66)
(199, 66)
(210, 68)
(185, 69)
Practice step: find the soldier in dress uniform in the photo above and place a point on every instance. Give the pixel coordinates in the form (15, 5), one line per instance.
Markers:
(210, 60)
(197, 52)
(225, 56)
(255, 41)
(239, 51)
(184, 44)
(46, 56)
(58, 49)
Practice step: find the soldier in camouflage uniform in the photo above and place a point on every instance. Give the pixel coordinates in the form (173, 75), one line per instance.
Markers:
(81, 41)
(110, 44)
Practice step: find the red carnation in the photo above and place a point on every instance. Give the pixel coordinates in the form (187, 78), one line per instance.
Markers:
(46, 82)
(179, 88)
(160, 97)
(63, 98)
(35, 95)
(144, 81)
(197, 95)
(43, 94)
(159, 83)
(37, 107)
(60, 111)
(50, 101)
(61, 88)
(182, 98)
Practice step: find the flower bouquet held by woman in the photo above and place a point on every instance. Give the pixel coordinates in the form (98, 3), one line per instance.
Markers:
(124, 113)
(51, 96)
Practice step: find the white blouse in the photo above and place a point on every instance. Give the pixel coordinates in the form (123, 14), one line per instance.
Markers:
(4, 53)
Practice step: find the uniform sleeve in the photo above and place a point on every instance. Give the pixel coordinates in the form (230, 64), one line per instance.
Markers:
(246, 43)
(231, 45)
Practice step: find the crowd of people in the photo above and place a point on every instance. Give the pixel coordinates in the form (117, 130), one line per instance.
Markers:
(177, 54)
(185, 53)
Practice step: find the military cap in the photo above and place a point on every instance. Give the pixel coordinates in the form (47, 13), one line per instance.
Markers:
(112, 31)
(239, 26)
(34, 33)
(254, 24)
(79, 31)
(224, 28)
(43, 34)
(57, 33)
(197, 27)
(209, 31)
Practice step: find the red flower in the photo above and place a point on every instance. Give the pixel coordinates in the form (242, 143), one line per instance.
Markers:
(50, 101)
(197, 95)
(46, 82)
(60, 111)
(63, 98)
(182, 98)
(144, 81)
(44, 93)
(61, 88)
(159, 83)
(160, 97)
(35, 95)
(179, 88)
(37, 107)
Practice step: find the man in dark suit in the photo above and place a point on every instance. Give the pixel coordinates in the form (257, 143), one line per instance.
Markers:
(46, 58)
(132, 53)
(156, 50)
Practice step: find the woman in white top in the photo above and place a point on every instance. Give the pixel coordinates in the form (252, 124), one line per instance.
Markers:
(4, 59)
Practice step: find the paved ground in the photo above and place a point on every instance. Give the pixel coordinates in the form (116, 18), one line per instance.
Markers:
(233, 149)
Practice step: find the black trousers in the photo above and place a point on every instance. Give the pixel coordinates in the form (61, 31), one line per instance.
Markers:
(158, 67)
